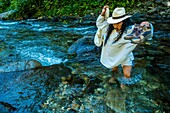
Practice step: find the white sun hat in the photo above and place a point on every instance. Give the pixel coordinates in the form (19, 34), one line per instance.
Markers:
(118, 15)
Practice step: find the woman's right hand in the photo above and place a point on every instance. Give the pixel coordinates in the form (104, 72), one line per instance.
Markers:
(104, 10)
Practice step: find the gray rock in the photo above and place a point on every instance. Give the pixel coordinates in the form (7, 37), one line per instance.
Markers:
(5, 15)
(158, 1)
(153, 10)
(20, 65)
(82, 45)
(165, 3)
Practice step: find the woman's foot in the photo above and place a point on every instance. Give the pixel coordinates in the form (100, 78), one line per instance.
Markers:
(112, 80)
(127, 76)
(122, 86)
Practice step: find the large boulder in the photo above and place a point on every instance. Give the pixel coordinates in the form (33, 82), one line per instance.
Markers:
(85, 50)
(5, 15)
(82, 45)
(20, 65)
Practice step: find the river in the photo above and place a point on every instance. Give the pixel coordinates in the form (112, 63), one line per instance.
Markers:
(41, 90)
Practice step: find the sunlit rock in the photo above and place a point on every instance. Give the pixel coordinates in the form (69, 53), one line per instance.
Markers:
(5, 15)
(153, 85)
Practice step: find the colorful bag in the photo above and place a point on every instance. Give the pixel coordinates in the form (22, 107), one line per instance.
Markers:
(141, 32)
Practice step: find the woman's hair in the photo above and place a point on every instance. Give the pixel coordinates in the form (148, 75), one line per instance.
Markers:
(126, 22)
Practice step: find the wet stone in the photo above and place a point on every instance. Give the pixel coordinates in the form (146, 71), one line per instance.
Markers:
(69, 110)
(153, 85)
(100, 90)
(143, 82)
(116, 100)
(19, 66)
(152, 10)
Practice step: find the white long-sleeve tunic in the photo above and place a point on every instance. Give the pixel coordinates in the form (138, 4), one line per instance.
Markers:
(115, 53)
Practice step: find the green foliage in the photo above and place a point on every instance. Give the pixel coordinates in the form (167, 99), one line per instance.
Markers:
(52, 8)
(4, 4)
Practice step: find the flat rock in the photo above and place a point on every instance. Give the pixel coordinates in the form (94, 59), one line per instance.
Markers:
(20, 65)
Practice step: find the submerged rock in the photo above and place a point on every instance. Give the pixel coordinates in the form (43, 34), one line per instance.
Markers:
(25, 91)
(20, 65)
(116, 100)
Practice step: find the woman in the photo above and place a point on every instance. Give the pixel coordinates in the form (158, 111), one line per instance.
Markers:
(110, 35)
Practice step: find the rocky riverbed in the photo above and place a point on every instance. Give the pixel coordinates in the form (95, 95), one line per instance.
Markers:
(53, 67)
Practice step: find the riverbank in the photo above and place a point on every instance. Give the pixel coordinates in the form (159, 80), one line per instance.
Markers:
(151, 8)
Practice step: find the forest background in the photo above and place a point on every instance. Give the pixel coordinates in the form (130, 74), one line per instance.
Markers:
(24, 9)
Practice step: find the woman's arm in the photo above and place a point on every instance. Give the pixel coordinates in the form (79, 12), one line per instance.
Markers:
(102, 25)
(101, 20)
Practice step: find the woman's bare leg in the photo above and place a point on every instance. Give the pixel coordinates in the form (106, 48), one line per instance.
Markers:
(115, 69)
(112, 79)
(127, 71)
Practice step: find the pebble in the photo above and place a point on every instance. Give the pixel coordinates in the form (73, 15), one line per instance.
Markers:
(100, 90)
(153, 85)
(143, 82)
(147, 88)
(75, 106)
